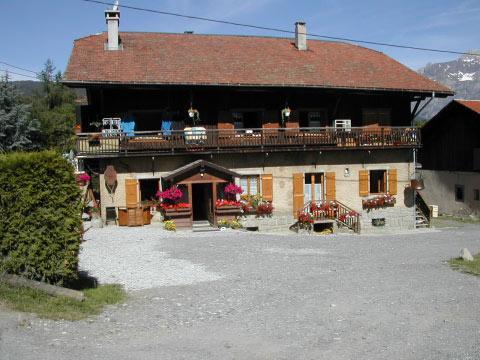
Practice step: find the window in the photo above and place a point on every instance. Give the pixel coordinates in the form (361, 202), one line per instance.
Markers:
(250, 184)
(376, 116)
(313, 187)
(246, 119)
(318, 118)
(148, 189)
(237, 120)
(476, 194)
(459, 193)
(378, 181)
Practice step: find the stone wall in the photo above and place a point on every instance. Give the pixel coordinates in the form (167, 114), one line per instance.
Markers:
(282, 166)
(396, 218)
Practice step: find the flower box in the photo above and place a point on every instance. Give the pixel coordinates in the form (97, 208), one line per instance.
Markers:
(379, 201)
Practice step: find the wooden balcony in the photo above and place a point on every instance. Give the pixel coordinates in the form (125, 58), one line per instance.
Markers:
(245, 140)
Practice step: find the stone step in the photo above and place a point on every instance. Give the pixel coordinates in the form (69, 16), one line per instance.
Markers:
(205, 229)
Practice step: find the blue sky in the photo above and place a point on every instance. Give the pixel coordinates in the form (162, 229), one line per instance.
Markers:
(35, 30)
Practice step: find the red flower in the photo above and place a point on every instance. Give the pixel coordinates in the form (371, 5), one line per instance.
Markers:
(232, 189)
(221, 202)
(305, 218)
(172, 194)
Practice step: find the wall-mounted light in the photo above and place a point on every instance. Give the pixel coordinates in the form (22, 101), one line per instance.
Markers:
(192, 112)
(286, 112)
(346, 172)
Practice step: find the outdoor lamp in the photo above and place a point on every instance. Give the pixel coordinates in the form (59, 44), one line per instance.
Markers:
(286, 112)
(193, 113)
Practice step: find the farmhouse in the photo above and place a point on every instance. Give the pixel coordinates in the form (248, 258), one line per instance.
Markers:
(312, 126)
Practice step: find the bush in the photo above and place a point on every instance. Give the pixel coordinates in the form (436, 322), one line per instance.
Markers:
(40, 223)
(170, 225)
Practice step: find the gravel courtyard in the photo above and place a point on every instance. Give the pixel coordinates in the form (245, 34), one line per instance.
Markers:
(235, 295)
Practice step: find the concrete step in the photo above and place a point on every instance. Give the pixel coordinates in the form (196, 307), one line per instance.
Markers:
(206, 229)
(203, 226)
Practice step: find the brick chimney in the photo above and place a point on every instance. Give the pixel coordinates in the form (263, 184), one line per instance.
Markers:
(112, 17)
(301, 35)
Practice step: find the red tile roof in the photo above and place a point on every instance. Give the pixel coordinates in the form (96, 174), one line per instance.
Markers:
(473, 105)
(159, 58)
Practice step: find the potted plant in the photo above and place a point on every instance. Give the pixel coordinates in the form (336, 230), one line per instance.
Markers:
(227, 209)
(83, 179)
(305, 221)
(172, 208)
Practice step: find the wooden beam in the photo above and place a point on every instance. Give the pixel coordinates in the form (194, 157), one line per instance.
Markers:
(214, 200)
(19, 281)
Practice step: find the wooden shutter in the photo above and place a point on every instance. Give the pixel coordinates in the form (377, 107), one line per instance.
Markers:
(131, 192)
(330, 186)
(298, 201)
(267, 187)
(392, 181)
(363, 184)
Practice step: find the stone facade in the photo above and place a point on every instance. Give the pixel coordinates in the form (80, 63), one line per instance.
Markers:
(345, 164)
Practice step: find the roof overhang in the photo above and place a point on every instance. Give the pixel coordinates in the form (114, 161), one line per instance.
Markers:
(115, 84)
(200, 166)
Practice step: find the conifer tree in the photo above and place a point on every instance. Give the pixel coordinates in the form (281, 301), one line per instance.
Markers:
(18, 130)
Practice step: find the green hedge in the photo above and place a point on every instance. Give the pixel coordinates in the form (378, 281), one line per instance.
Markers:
(40, 217)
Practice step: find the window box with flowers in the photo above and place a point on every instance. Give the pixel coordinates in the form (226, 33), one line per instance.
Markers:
(227, 209)
(378, 202)
(173, 209)
(256, 205)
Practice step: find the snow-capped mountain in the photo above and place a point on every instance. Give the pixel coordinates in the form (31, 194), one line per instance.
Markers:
(461, 75)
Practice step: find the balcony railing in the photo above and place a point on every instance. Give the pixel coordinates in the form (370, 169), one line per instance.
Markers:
(244, 140)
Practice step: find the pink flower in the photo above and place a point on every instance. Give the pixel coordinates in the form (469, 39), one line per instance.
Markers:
(172, 194)
(233, 189)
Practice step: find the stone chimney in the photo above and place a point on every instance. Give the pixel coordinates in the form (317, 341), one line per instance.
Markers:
(112, 18)
(301, 35)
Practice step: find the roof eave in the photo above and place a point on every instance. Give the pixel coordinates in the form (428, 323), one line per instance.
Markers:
(427, 92)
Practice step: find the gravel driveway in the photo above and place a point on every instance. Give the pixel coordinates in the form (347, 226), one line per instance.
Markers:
(233, 295)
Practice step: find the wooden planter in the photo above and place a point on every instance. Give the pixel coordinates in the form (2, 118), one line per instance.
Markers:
(147, 216)
(137, 216)
(181, 217)
(228, 212)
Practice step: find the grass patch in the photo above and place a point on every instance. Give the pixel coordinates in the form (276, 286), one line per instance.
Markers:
(470, 267)
(57, 308)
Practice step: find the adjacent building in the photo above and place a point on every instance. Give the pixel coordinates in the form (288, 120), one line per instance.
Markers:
(451, 159)
(296, 120)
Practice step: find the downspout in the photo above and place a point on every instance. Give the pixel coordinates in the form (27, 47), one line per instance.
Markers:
(414, 172)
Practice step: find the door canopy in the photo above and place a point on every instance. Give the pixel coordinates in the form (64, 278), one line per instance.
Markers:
(201, 171)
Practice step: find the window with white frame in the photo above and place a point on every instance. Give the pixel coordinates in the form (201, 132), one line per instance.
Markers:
(250, 184)
(313, 187)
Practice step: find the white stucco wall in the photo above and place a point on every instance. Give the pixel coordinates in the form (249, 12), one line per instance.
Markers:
(440, 190)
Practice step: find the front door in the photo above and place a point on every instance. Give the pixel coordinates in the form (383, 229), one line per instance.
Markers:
(202, 201)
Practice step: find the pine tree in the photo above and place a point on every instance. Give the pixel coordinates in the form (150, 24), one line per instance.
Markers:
(18, 130)
(55, 110)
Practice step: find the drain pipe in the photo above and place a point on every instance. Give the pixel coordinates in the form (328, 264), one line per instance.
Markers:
(414, 172)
